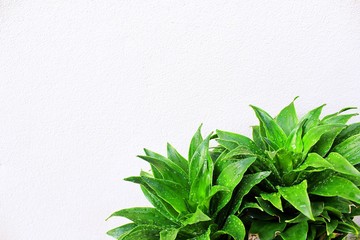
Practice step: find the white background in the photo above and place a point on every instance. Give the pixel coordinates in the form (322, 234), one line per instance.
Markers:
(85, 85)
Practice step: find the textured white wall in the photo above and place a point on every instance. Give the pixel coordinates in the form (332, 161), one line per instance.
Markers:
(85, 85)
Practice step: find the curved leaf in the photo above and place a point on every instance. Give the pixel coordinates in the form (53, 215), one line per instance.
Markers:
(176, 157)
(273, 131)
(274, 198)
(195, 142)
(298, 197)
(350, 149)
(233, 227)
(337, 186)
(121, 231)
(298, 232)
(169, 234)
(287, 118)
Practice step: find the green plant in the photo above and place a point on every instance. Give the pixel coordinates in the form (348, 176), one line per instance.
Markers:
(296, 179)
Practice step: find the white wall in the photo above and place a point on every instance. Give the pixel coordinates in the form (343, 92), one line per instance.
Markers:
(85, 85)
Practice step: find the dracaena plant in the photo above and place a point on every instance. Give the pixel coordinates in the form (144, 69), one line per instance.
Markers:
(296, 179)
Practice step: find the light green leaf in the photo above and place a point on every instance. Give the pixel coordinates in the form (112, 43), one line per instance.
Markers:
(144, 215)
(195, 142)
(294, 141)
(337, 186)
(169, 170)
(121, 231)
(298, 197)
(273, 131)
(198, 158)
(274, 198)
(351, 130)
(287, 118)
(342, 165)
(350, 149)
(311, 119)
(169, 234)
(233, 227)
(163, 207)
(195, 217)
(240, 140)
(315, 133)
(176, 157)
(171, 192)
(314, 160)
(230, 178)
(265, 230)
(143, 232)
(246, 184)
(326, 141)
(250, 205)
(298, 232)
(256, 135)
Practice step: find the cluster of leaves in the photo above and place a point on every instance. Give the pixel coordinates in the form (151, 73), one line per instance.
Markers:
(297, 179)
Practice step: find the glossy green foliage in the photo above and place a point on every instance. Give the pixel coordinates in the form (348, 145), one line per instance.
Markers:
(297, 178)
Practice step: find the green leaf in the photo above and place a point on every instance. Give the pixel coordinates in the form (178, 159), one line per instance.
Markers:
(121, 231)
(143, 232)
(169, 234)
(195, 142)
(331, 226)
(176, 157)
(230, 178)
(170, 192)
(233, 227)
(201, 185)
(246, 184)
(144, 215)
(298, 232)
(338, 118)
(195, 217)
(169, 170)
(273, 131)
(269, 208)
(240, 140)
(298, 197)
(342, 165)
(257, 137)
(315, 133)
(314, 160)
(294, 141)
(205, 236)
(351, 130)
(265, 230)
(198, 158)
(250, 205)
(316, 207)
(350, 149)
(326, 141)
(336, 186)
(274, 198)
(311, 119)
(163, 207)
(287, 118)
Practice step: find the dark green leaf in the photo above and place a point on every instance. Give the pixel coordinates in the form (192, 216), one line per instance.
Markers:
(265, 230)
(298, 197)
(298, 232)
(233, 227)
